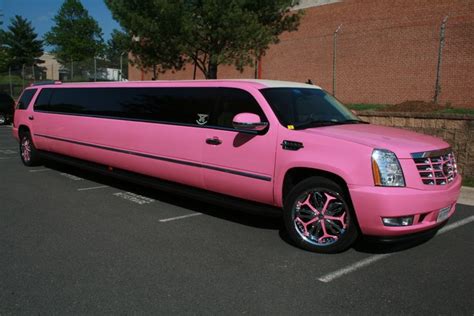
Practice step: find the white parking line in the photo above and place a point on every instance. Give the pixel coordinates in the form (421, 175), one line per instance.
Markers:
(93, 188)
(8, 151)
(135, 198)
(71, 176)
(39, 170)
(365, 262)
(178, 217)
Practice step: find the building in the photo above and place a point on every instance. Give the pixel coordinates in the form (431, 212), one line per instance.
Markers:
(51, 65)
(386, 51)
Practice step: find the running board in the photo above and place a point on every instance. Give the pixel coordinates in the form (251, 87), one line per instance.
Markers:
(167, 186)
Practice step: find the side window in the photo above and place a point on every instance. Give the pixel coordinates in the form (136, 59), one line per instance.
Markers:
(191, 106)
(25, 99)
(42, 101)
(186, 105)
(233, 102)
(174, 105)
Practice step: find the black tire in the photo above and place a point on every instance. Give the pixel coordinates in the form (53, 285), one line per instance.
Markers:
(28, 153)
(310, 228)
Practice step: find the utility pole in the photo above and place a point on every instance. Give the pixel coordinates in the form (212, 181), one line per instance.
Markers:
(195, 65)
(440, 56)
(95, 69)
(121, 66)
(72, 69)
(10, 79)
(334, 50)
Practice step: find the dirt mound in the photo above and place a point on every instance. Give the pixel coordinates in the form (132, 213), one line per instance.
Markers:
(414, 106)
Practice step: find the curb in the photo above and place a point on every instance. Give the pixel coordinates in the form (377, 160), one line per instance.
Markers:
(467, 196)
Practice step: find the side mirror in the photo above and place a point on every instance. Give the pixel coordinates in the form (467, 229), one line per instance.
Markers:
(248, 122)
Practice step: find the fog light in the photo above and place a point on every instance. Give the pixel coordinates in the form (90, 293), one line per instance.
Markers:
(398, 221)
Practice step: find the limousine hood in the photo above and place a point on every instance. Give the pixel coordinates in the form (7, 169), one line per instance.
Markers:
(401, 142)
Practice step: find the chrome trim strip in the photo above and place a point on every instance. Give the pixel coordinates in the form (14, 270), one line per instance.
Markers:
(182, 162)
(432, 153)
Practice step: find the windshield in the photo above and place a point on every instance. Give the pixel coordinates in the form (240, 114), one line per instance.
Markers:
(307, 107)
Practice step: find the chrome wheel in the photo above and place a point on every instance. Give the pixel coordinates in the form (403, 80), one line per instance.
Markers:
(2, 119)
(320, 217)
(26, 149)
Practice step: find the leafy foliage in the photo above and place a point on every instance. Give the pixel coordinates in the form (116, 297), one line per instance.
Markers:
(75, 36)
(20, 44)
(206, 32)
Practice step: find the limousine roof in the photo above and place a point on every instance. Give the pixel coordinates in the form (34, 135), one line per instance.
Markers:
(255, 83)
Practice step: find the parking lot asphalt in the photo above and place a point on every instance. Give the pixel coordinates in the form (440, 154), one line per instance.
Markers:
(72, 242)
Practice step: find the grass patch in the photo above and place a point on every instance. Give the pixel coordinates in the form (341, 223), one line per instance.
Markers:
(410, 106)
(458, 111)
(468, 182)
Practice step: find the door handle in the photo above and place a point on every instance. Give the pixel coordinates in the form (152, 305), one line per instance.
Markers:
(213, 141)
(31, 118)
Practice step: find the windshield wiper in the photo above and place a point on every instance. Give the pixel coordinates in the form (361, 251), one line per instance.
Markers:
(318, 123)
(354, 121)
(314, 123)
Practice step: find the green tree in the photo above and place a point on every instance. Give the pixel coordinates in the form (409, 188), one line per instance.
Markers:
(76, 36)
(21, 44)
(206, 32)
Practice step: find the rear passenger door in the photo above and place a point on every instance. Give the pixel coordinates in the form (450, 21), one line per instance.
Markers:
(236, 163)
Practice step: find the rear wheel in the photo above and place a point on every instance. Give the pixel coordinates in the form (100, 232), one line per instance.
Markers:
(28, 153)
(318, 216)
(3, 119)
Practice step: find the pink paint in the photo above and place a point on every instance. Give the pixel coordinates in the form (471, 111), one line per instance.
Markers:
(343, 150)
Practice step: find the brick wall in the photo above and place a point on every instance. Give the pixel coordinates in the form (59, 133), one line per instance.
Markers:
(386, 51)
(457, 130)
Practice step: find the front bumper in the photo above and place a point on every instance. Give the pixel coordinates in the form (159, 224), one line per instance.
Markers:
(372, 203)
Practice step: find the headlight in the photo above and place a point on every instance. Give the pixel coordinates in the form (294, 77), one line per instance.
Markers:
(386, 169)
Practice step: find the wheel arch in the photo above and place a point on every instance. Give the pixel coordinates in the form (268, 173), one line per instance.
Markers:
(295, 175)
(22, 129)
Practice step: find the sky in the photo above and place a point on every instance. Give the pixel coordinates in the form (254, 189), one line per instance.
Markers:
(41, 12)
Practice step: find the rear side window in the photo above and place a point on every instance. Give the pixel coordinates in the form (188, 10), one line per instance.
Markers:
(25, 99)
(174, 105)
(213, 107)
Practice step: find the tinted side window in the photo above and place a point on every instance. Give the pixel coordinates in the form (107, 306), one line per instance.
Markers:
(233, 102)
(174, 105)
(25, 99)
(42, 101)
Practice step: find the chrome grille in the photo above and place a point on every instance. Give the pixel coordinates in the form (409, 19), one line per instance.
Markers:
(436, 167)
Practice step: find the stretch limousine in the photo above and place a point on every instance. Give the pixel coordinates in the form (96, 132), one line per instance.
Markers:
(287, 145)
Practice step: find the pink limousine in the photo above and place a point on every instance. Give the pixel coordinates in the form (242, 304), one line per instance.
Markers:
(285, 145)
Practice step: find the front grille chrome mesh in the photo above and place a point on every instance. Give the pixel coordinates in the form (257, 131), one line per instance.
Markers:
(437, 170)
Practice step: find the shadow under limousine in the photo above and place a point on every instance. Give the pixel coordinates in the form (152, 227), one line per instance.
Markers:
(242, 216)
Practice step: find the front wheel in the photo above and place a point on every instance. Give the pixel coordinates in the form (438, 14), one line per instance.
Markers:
(28, 153)
(318, 216)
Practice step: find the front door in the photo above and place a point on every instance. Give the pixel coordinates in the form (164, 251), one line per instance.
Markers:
(236, 163)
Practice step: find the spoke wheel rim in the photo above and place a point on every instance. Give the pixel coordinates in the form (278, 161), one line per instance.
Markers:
(320, 217)
(26, 149)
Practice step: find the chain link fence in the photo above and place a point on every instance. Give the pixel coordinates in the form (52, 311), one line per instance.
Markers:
(15, 79)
